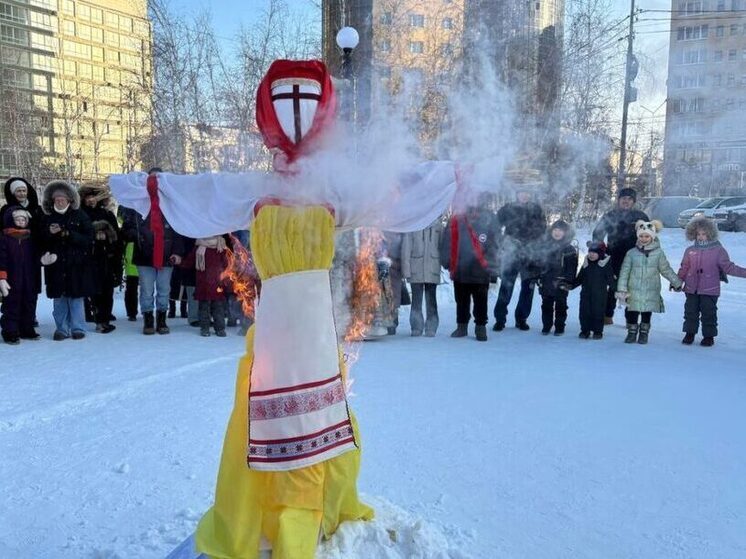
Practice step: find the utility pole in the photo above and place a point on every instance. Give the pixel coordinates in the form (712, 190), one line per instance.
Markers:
(630, 95)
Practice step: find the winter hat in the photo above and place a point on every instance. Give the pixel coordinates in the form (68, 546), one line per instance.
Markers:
(599, 247)
(631, 192)
(16, 184)
(648, 228)
(560, 224)
(21, 212)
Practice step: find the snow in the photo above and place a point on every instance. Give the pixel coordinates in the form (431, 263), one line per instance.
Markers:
(524, 446)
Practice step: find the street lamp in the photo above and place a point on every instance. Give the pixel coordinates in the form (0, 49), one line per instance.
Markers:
(347, 39)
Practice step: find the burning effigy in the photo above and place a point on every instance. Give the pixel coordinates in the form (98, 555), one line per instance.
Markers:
(291, 454)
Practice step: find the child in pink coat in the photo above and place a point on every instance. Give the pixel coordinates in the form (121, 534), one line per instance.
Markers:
(703, 266)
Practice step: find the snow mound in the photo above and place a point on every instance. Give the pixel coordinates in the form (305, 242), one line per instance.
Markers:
(393, 534)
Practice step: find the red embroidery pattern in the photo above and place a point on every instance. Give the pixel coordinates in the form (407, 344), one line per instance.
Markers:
(284, 450)
(287, 405)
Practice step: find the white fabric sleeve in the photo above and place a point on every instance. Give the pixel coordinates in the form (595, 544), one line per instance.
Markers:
(196, 205)
(418, 198)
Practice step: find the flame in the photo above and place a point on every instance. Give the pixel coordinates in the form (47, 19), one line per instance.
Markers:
(366, 290)
(242, 274)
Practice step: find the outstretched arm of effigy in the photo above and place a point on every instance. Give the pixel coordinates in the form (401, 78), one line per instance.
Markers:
(196, 206)
(411, 204)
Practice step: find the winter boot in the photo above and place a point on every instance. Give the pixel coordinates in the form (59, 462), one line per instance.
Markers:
(148, 328)
(160, 320)
(546, 331)
(11, 338)
(416, 333)
(171, 308)
(584, 335)
(632, 330)
(707, 341)
(183, 311)
(498, 327)
(598, 335)
(688, 339)
(460, 331)
(480, 331)
(30, 335)
(521, 325)
(559, 330)
(644, 331)
(105, 328)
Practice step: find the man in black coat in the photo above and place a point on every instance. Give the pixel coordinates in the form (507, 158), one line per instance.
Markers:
(617, 228)
(469, 251)
(67, 242)
(524, 225)
(157, 249)
(107, 254)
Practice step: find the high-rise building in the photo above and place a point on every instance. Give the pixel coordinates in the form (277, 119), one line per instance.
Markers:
(75, 86)
(403, 43)
(705, 142)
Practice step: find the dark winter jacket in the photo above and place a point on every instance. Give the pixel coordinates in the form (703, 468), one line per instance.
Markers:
(210, 286)
(524, 225)
(137, 230)
(107, 252)
(18, 262)
(37, 214)
(72, 274)
(558, 262)
(461, 233)
(594, 279)
(617, 228)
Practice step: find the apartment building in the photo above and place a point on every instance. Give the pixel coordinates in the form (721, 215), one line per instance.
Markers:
(705, 141)
(75, 87)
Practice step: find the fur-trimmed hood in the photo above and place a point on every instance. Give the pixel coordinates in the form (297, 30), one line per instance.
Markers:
(102, 194)
(47, 203)
(703, 223)
(33, 197)
(566, 227)
(104, 226)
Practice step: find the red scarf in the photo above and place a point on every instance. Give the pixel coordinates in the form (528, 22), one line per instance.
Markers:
(156, 222)
(476, 245)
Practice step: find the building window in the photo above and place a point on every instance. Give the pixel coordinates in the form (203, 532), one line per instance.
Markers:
(386, 18)
(14, 35)
(68, 6)
(721, 6)
(97, 16)
(13, 13)
(68, 27)
(731, 80)
(734, 29)
(416, 47)
(732, 53)
(416, 20)
(717, 56)
(717, 80)
(447, 23)
(720, 31)
(385, 45)
(112, 20)
(692, 33)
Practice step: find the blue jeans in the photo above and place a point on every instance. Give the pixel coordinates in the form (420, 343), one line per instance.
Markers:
(525, 299)
(152, 280)
(69, 315)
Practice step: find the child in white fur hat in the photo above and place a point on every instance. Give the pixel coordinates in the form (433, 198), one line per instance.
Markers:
(639, 285)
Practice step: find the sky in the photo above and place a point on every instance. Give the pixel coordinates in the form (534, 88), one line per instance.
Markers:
(651, 42)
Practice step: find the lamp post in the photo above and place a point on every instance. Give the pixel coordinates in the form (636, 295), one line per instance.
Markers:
(347, 39)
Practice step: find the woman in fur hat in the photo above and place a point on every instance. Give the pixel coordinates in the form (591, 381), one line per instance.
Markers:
(704, 265)
(639, 285)
(67, 242)
(107, 254)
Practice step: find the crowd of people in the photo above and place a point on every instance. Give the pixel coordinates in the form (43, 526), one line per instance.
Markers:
(86, 251)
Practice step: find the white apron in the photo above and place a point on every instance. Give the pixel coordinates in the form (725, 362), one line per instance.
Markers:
(298, 412)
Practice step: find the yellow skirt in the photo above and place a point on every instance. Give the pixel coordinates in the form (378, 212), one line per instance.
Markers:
(290, 509)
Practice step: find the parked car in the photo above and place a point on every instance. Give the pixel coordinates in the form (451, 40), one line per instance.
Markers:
(667, 209)
(731, 218)
(708, 208)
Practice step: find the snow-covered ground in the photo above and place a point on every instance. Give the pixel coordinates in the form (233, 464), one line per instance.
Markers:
(522, 447)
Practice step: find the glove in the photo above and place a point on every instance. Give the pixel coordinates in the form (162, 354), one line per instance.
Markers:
(564, 285)
(4, 287)
(676, 289)
(48, 259)
(622, 296)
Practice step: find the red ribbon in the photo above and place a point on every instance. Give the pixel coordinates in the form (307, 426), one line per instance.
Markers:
(455, 242)
(156, 222)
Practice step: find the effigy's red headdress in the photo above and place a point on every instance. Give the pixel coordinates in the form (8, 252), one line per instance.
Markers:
(295, 104)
